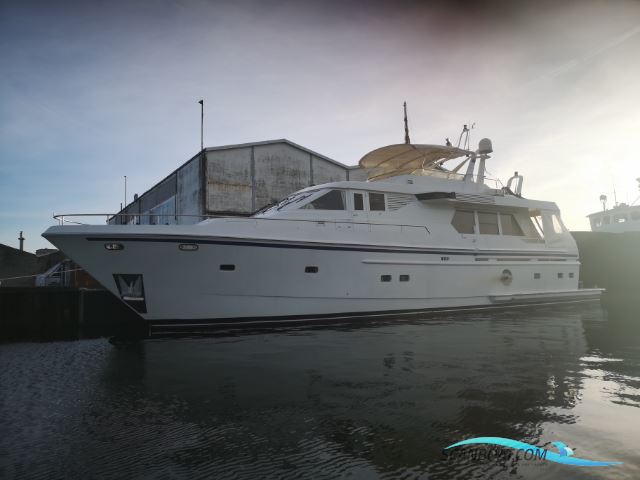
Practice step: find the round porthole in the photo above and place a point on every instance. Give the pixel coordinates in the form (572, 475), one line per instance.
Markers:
(507, 277)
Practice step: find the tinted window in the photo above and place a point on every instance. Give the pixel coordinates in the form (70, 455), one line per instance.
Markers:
(358, 201)
(488, 223)
(332, 200)
(376, 201)
(510, 225)
(464, 221)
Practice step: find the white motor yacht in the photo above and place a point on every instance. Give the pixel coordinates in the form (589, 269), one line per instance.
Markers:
(415, 237)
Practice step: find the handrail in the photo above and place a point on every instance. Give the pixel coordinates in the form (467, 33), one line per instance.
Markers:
(61, 219)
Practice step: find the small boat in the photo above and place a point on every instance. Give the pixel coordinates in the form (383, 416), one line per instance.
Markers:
(416, 236)
(619, 219)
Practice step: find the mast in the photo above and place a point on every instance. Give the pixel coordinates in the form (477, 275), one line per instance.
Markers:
(406, 126)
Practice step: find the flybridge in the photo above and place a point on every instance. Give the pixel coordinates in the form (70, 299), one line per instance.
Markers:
(425, 160)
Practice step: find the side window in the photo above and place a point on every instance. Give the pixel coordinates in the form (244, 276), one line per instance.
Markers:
(464, 221)
(488, 223)
(332, 200)
(557, 224)
(376, 201)
(606, 220)
(358, 201)
(620, 218)
(509, 225)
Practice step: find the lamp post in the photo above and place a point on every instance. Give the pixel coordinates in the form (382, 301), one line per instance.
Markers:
(201, 102)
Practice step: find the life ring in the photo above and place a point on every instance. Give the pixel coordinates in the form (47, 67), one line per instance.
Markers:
(506, 277)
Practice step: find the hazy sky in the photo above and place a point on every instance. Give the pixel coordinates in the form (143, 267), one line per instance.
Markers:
(91, 91)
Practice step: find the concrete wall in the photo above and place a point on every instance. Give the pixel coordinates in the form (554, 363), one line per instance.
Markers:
(325, 172)
(189, 191)
(280, 170)
(229, 181)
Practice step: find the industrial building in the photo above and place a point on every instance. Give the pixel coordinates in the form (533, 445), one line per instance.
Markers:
(233, 180)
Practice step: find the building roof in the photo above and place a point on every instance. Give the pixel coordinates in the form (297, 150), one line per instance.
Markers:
(280, 140)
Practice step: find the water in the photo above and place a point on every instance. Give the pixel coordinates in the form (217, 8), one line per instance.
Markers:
(366, 400)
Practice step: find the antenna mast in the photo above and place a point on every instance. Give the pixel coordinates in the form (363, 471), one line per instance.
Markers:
(406, 126)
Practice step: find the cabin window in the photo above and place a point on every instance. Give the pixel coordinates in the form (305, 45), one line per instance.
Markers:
(606, 220)
(536, 276)
(534, 228)
(404, 278)
(488, 223)
(332, 200)
(311, 269)
(376, 202)
(619, 218)
(385, 278)
(227, 267)
(597, 222)
(509, 225)
(557, 224)
(464, 221)
(358, 201)
(560, 275)
(635, 215)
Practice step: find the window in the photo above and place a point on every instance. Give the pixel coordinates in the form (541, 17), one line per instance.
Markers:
(332, 200)
(570, 274)
(358, 201)
(619, 218)
(310, 269)
(606, 220)
(385, 278)
(376, 202)
(404, 278)
(509, 225)
(536, 276)
(557, 224)
(560, 275)
(227, 268)
(464, 221)
(488, 223)
(635, 215)
(533, 229)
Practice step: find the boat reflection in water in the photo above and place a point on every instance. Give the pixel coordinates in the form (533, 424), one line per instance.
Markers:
(373, 399)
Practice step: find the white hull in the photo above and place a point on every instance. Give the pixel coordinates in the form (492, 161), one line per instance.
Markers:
(269, 279)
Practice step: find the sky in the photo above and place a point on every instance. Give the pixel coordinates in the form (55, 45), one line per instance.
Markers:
(91, 91)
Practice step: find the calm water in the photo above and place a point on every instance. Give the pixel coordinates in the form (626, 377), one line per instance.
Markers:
(366, 400)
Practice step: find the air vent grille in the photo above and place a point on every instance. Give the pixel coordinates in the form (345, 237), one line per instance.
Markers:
(396, 201)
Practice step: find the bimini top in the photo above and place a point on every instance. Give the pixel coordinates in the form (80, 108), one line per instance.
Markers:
(408, 159)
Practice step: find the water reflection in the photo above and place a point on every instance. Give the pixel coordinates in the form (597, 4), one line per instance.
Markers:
(374, 399)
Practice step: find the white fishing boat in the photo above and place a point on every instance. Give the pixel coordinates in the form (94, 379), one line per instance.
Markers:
(415, 237)
(621, 218)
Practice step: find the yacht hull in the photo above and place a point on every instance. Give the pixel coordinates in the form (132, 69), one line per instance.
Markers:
(192, 280)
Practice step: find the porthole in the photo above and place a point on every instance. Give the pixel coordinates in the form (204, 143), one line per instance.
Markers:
(188, 247)
(506, 277)
(311, 269)
(114, 246)
(227, 268)
(385, 278)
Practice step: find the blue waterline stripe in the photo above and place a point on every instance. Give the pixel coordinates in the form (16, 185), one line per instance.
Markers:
(540, 453)
(326, 247)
